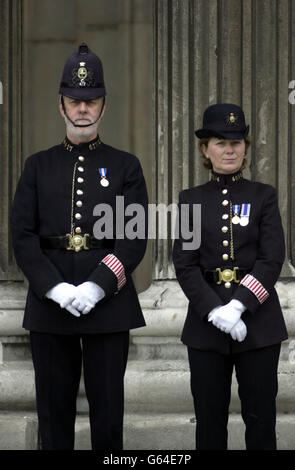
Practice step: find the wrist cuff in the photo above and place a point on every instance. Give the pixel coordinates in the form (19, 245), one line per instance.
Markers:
(255, 287)
(112, 262)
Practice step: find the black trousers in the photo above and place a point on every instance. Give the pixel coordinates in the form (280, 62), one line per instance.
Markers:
(211, 376)
(58, 362)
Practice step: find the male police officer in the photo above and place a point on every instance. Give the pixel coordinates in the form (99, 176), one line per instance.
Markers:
(81, 300)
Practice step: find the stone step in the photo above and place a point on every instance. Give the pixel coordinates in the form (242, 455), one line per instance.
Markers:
(171, 348)
(150, 386)
(165, 306)
(163, 303)
(163, 386)
(18, 431)
(17, 348)
(146, 431)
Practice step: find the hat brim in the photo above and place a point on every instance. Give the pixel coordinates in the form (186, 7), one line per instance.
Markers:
(206, 133)
(84, 94)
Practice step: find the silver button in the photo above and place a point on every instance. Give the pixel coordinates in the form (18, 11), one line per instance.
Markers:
(225, 202)
(225, 216)
(81, 158)
(225, 257)
(225, 243)
(227, 285)
(224, 229)
(81, 169)
(79, 192)
(78, 216)
(78, 230)
(224, 191)
(79, 203)
(80, 180)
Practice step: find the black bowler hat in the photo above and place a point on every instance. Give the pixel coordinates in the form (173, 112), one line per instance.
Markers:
(223, 120)
(82, 76)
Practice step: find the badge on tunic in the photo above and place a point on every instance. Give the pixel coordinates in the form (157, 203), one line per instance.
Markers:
(103, 180)
(245, 213)
(236, 210)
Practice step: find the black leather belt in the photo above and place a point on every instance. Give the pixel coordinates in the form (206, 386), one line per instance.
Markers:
(75, 242)
(220, 275)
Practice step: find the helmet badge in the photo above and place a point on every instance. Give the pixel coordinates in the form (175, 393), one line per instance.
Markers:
(82, 73)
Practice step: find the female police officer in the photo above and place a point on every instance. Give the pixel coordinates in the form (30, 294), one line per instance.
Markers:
(234, 316)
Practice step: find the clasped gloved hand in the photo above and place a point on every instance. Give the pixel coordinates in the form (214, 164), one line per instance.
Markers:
(239, 331)
(227, 316)
(63, 294)
(86, 296)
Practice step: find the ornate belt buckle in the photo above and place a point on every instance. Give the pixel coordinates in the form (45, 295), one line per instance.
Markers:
(77, 242)
(227, 275)
(235, 275)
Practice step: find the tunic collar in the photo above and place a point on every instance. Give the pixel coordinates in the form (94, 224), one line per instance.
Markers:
(226, 179)
(91, 145)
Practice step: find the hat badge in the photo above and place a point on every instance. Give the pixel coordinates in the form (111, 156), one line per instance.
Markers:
(232, 119)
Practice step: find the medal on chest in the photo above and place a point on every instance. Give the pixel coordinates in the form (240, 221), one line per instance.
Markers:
(103, 177)
(245, 213)
(236, 211)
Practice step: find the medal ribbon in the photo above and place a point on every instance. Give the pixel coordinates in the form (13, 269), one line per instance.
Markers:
(103, 172)
(236, 209)
(245, 210)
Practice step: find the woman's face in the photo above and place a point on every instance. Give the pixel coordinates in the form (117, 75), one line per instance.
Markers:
(226, 155)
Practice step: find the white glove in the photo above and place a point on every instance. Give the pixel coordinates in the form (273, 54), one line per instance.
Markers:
(86, 296)
(210, 314)
(227, 316)
(63, 294)
(239, 331)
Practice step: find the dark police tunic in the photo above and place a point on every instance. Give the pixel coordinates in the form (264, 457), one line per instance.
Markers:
(57, 191)
(257, 247)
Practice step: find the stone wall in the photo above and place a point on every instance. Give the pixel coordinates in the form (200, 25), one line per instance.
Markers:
(121, 33)
(236, 51)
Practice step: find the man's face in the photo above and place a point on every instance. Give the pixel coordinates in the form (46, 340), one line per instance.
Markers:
(82, 112)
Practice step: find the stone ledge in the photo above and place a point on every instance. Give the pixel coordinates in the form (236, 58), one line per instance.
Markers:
(171, 348)
(154, 386)
(18, 431)
(164, 305)
(177, 431)
(167, 294)
(142, 431)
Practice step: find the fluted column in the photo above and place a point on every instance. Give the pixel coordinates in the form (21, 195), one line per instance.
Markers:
(10, 127)
(239, 51)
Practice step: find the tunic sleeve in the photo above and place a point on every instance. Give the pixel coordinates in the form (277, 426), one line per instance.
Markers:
(40, 272)
(256, 286)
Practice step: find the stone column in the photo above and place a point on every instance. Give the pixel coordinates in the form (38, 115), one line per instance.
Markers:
(135, 89)
(49, 38)
(11, 77)
(235, 51)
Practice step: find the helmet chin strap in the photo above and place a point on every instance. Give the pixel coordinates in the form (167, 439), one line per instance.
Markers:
(80, 125)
